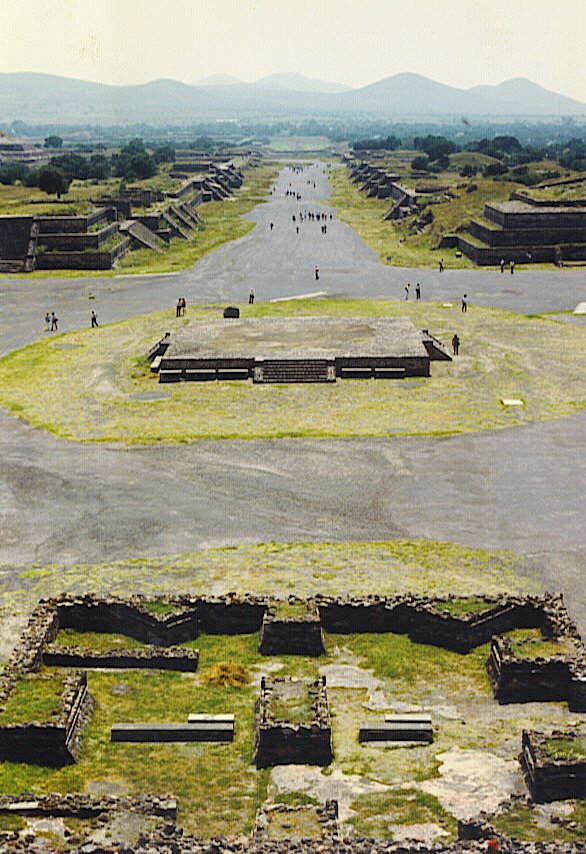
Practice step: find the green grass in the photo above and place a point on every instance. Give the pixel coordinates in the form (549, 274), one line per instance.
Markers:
(463, 607)
(36, 697)
(88, 392)
(291, 610)
(566, 748)
(96, 641)
(530, 643)
(291, 702)
(279, 569)
(301, 824)
(523, 821)
(400, 807)
(158, 607)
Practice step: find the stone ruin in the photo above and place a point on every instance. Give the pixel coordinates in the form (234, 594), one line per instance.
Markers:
(527, 230)
(292, 721)
(96, 241)
(554, 764)
(296, 349)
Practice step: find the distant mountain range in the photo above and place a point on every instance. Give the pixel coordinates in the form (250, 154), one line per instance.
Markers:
(44, 98)
(287, 80)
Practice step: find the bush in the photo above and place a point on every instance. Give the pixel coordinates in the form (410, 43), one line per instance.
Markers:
(420, 163)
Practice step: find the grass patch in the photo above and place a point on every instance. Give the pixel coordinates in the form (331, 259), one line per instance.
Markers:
(291, 611)
(158, 607)
(378, 812)
(36, 697)
(530, 643)
(301, 824)
(291, 702)
(463, 607)
(566, 748)
(89, 392)
(384, 568)
(96, 641)
(226, 675)
(523, 821)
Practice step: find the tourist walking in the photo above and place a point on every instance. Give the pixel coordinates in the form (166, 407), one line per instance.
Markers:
(464, 304)
(47, 321)
(407, 286)
(251, 297)
(455, 344)
(512, 267)
(54, 322)
(317, 274)
(183, 306)
(417, 291)
(178, 308)
(441, 265)
(94, 319)
(502, 265)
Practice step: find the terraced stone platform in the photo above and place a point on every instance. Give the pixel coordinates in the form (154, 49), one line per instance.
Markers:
(298, 349)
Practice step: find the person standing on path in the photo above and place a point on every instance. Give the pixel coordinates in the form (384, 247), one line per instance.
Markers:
(407, 286)
(464, 304)
(512, 267)
(455, 344)
(441, 265)
(417, 291)
(502, 265)
(251, 297)
(317, 274)
(54, 322)
(94, 319)
(178, 308)
(47, 321)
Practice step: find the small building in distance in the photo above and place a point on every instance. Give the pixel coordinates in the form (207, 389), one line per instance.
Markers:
(297, 349)
(15, 150)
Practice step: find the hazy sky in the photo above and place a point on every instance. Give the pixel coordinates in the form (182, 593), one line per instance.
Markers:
(460, 42)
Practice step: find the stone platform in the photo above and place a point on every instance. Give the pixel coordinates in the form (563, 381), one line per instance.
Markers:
(298, 349)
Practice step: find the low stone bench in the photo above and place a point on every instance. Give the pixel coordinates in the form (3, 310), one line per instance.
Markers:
(202, 719)
(388, 373)
(157, 733)
(200, 374)
(170, 376)
(355, 373)
(397, 728)
(232, 373)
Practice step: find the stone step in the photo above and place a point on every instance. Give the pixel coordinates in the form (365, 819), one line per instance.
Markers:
(418, 732)
(156, 733)
(203, 718)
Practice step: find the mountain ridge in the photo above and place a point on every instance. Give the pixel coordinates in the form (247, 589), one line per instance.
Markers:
(35, 98)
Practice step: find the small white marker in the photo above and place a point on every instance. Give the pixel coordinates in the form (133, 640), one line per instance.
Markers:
(512, 401)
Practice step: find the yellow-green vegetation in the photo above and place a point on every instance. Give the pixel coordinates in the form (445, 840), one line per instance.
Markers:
(291, 610)
(291, 702)
(422, 567)
(530, 643)
(221, 222)
(463, 607)
(98, 641)
(301, 824)
(218, 786)
(36, 697)
(566, 748)
(531, 822)
(299, 143)
(378, 813)
(89, 385)
(394, 241)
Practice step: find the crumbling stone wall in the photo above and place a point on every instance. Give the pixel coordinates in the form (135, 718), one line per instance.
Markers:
(547, 778)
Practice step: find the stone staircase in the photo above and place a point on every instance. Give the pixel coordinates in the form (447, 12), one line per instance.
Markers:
(177, 212)
(177, 225)
(295, 371)
(142, 235)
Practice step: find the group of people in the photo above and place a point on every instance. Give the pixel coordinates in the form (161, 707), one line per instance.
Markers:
(417, 290)
(180, 307)
(52, 321)
(511, 264)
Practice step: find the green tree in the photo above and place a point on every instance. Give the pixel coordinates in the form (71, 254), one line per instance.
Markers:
(52, 180)
(99, 167)
(53, 141)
